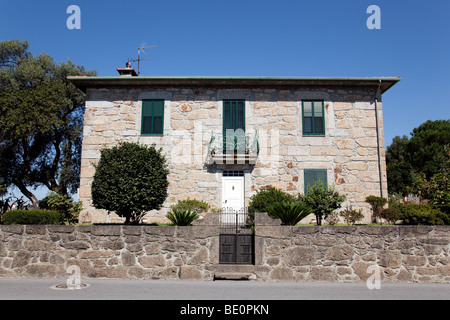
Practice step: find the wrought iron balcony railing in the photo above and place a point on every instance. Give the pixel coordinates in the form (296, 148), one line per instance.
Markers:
(234, 144)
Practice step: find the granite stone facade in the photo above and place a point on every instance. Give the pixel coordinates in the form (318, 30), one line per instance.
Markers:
(351, 150)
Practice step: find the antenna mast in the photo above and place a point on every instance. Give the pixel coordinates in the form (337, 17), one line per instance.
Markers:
(141, 48)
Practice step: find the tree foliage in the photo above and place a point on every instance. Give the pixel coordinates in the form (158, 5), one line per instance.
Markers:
(377, 204)
(41, 120)
(130, 180)
(263, 199)
(322, 199)
(424, 158)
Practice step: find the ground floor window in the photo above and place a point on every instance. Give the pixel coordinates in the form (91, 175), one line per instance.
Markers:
(313, 175)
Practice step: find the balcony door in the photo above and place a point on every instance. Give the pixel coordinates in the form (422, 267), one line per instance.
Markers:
(233, 126)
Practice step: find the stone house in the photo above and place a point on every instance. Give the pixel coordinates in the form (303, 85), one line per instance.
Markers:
(227, 137)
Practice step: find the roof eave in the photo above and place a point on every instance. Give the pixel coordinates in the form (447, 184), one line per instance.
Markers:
(95, 82)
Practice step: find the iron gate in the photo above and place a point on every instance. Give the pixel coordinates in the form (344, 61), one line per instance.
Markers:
(236, 238)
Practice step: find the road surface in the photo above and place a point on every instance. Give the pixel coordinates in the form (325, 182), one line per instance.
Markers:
(107, 289)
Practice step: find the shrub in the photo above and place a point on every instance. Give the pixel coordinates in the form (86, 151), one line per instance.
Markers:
(182, 217)
(421, 214)
(130, 180)
(290, 213)
(351, 216)
(333, 218)
(377, 204)
(32, 217)
(263, 199)
(64, 204)
(193, 205)
(391, 215)
(323, 200)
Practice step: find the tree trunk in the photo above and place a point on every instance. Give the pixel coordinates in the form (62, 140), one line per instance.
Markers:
(319, 219)
(29, 195)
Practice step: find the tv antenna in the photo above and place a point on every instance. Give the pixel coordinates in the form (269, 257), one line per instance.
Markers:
(141, 49)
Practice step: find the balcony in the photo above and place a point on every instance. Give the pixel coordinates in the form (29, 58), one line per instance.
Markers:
(233, 147)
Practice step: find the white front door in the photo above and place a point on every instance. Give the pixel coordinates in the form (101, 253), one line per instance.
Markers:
(233, 193)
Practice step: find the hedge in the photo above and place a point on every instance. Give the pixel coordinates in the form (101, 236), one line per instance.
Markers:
(32, 217)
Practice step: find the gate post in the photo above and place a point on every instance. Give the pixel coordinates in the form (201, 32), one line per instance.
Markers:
(263, 225)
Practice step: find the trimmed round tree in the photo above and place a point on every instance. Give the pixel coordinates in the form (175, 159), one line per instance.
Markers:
(130, 179)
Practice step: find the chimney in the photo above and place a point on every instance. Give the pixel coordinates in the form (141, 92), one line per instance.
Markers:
(128, 71)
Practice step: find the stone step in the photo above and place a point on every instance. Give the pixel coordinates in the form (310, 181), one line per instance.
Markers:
(234, 276)
(234, 272)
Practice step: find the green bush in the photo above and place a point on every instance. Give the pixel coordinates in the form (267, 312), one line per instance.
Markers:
(263, 199)
(421, 214)
(391, 215)
(182, 217)
(32, 217)
(351, 216)
(323, 200)
(377, 204)
(290, 213)
(193, 205)
(64, 204)
(445, 208)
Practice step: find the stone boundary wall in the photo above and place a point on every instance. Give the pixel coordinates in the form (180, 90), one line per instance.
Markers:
(132, 252)
(353, 254)
(338, 254)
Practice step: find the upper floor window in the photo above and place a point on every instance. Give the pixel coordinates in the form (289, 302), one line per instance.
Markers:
(313, 117)
(152, 117)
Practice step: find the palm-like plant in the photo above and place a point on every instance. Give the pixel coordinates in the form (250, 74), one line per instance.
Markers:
(290, 213)
(182, 217)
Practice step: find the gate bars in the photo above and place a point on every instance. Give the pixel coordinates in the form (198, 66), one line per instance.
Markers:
(236, 238)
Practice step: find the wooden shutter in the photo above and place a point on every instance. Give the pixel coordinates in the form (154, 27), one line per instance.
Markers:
(158, 117)
(309, 179)
(313, 175)
(233, 119)
(147, 117)
(152, 117)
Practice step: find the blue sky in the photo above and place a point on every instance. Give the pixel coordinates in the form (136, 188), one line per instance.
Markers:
(324, 38)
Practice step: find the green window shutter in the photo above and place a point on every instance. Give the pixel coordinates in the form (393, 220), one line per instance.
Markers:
(233, 119)
(321, 175)
(227, 123)
(152, 117)
(147, 115)
(309, 179)
(313, 175)
(233, 114)
(313, 117)
(158, 117)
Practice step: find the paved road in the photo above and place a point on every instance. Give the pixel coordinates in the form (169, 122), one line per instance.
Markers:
(106, 289)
